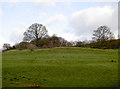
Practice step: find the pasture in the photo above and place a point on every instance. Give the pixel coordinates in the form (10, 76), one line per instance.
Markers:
(60, 67)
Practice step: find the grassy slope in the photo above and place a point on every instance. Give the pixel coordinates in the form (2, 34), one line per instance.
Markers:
(60, 67)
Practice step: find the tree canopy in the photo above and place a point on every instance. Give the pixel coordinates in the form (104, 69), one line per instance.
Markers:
(34, 32)
(102, 33)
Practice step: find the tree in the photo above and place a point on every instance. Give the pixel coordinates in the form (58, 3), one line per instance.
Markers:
(63, 42)
(6, 46)
(55, 40)
(31, 47)
(34, 32)
(118, 35)
(103, 33)
(22, 45)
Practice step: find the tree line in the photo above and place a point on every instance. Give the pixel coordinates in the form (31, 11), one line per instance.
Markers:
(103, 38)
(36, 36)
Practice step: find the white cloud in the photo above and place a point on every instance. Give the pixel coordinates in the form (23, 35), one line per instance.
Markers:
(87, 20)
(17, 33)
(43, 3)
(62, 0)
(1, 38)
(87, 0)
(1, 11)
(70, 36)
(2, 41)
(39, 3)
(56, 18)
(108, 0)
(42, 15)
(14, 1)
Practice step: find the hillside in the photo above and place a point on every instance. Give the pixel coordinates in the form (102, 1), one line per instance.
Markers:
(60, 67)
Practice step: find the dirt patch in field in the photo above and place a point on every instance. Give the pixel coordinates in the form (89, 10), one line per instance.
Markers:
(31, 85)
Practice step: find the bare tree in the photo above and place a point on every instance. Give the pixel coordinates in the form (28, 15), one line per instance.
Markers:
(34, 32)
(103, 33)
(6, 46)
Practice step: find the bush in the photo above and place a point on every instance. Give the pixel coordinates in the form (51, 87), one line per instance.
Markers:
(25, 45)
(31, 47)
(22, 45)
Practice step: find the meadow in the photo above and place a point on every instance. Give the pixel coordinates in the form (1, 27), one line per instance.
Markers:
(60, 67)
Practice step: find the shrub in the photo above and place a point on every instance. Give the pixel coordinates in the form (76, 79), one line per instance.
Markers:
(22, 45)
(31, 47)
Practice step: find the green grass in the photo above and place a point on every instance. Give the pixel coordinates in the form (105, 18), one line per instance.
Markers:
(60, 67)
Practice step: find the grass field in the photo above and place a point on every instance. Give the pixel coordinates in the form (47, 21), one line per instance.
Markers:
(60, 67)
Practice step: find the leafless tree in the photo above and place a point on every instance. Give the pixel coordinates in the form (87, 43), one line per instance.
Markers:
(103, 33)
(6, 46)
(34, 32)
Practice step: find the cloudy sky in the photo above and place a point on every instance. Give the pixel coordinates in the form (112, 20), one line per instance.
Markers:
(72, 20)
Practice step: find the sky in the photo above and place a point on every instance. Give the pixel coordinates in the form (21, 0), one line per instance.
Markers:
(73, 20)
